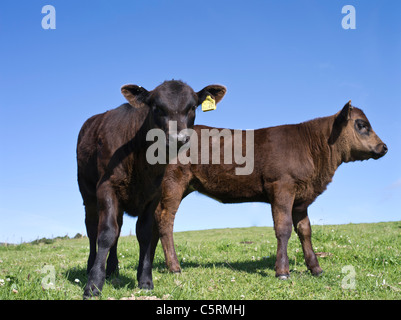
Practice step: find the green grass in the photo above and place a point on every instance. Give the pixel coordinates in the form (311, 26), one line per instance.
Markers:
(219, 264)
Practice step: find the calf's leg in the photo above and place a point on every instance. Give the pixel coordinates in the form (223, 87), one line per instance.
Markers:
(164, 216)
(144, 228)
(303, 229)
(174, 189)
(112, 260)
(91, 222)
(281, 209)
(107, 236)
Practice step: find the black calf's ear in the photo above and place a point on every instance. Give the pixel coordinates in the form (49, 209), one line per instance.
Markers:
(216, 91)
(135, 95)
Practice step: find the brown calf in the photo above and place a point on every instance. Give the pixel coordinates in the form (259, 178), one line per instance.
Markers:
(293, 164)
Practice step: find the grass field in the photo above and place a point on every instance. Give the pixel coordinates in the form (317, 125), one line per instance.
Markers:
(360, 261)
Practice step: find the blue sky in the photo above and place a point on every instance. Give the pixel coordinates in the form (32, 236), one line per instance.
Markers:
(281, 61)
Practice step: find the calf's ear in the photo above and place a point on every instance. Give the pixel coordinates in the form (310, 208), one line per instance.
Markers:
(340, 122)
(135, 95)
(216, 91)
(345, 113)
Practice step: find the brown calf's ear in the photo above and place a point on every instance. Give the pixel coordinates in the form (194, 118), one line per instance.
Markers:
(216, 91)
(340, 122)
(345, 113)
(135, 95)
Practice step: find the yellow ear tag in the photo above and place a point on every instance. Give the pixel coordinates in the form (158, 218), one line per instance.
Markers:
(209, 104)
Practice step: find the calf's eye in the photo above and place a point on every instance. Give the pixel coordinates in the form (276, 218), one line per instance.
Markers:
(362, 127)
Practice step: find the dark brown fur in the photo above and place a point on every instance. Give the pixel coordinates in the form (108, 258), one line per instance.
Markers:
(114, 175)
(293, 164)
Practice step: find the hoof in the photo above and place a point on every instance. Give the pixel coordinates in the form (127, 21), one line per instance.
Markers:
(317, 274)
(283, 276)
(147, 285)
(89, 293)
(175, 271)
(173, 268)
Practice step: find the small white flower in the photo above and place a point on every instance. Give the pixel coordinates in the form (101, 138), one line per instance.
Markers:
(77, 281)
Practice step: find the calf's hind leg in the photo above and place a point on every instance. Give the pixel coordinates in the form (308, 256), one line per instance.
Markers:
(164, 218)
(173, 192)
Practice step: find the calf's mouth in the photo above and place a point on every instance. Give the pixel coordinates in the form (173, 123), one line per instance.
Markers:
(380, 150)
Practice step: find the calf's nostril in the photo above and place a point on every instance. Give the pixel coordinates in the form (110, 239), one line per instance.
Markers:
(385, 149)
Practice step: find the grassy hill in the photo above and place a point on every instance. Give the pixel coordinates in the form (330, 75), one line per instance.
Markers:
(361, 261)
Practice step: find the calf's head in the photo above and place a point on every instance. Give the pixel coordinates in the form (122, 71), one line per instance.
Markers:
(172, 105)
(355, 135)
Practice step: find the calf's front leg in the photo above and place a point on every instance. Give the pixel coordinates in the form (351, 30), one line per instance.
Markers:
(144, 228)
(303, 229)
(112, 260)
(107, 236)
(281, 209)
